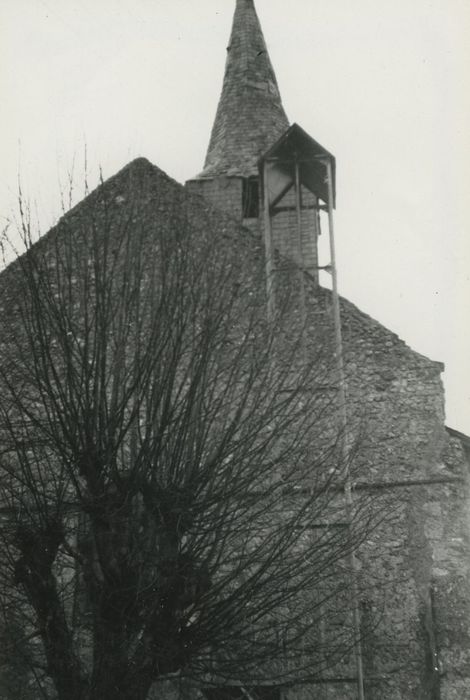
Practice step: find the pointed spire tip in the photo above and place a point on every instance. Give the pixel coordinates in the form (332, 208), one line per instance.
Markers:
(250, 116)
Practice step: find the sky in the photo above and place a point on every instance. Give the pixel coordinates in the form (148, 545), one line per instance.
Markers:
(383, 84)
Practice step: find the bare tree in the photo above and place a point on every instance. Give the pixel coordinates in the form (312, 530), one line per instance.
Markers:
(170, 469)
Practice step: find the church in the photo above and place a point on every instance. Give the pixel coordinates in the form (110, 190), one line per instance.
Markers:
(270, 176)
(275, 185)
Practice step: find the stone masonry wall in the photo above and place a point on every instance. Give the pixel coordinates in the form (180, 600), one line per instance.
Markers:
(285, 232)
(447, 529)
(415, 598)
(224, 193)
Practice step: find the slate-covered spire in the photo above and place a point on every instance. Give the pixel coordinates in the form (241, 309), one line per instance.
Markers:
(250, 116)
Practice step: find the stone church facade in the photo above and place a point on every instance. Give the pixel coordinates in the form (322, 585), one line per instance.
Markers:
(419, 563)
(414, 609)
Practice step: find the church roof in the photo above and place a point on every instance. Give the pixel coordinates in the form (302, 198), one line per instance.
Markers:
(250, 116)
(153, 205)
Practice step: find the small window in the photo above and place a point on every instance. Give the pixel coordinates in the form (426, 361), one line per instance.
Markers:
(250, 198)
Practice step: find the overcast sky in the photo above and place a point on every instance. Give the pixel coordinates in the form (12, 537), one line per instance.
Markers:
(382, 84)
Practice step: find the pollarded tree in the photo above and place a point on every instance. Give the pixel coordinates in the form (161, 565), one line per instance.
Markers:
(170, 469)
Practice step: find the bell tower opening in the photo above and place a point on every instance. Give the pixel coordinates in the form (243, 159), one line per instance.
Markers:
(250, 198)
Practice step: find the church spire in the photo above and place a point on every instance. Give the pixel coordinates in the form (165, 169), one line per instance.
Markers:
(250, 116)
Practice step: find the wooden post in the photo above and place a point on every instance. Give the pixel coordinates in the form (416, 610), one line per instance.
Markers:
(268, 245)
(343, 419)
(300, 266)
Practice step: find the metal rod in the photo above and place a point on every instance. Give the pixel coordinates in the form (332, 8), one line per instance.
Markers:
(279, 210)
(268, 244)
(286, 268)
(316, 233)
(300, 275)
(343, 427)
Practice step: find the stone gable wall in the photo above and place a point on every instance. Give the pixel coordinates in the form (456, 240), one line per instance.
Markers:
(415, 601)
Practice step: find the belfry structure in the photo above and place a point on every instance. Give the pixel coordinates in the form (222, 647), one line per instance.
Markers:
(268, 175)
